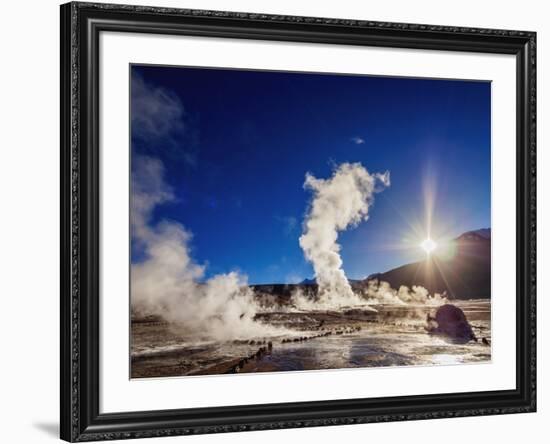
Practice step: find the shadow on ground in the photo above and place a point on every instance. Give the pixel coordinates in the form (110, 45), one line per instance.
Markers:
(49, 428)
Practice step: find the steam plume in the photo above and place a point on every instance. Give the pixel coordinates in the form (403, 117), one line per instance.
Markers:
(168, 283)
(372, 294)
(380, 292)
(339, 202)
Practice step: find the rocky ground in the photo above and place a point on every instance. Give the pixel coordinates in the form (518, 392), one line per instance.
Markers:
(392, 336)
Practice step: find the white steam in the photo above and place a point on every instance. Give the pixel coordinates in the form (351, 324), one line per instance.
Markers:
(369, 295)
(339, 203)
(382, 293)
(168, 283)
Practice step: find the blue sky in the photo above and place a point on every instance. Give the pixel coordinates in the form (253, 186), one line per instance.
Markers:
(236, 146)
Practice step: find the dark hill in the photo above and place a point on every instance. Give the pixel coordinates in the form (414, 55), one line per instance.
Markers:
(467, 275)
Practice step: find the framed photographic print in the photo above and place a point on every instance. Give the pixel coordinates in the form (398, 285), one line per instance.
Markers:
(277, 221)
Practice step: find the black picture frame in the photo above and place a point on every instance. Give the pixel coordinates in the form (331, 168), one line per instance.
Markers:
(81, 25)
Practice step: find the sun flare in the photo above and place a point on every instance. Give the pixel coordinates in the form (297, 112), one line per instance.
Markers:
(428, 245)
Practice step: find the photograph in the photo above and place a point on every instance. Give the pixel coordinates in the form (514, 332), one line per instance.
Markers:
(287, 221)
(280, 221)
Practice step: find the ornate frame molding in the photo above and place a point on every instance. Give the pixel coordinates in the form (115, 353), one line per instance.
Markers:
(80, 27)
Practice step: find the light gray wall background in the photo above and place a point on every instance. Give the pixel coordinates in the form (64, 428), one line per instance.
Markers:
(29, 207)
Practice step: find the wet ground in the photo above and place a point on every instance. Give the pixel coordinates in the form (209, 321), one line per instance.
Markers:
(392, 336)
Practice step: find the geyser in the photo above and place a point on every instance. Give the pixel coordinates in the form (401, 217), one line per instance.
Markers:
(338, 203)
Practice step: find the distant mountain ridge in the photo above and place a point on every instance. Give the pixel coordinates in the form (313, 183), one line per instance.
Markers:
(314, 282)
(484, 232)
(467, 275)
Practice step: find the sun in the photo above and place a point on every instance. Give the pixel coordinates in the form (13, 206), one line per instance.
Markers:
(428, 245)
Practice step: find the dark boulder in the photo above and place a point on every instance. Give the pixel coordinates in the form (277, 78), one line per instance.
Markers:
(451, 322)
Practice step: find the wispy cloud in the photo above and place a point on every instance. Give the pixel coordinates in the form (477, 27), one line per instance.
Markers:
(160, 121)
(289, 223)
(156, 112)
(357, 140)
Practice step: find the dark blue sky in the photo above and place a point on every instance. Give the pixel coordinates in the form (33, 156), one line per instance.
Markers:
(236, 146)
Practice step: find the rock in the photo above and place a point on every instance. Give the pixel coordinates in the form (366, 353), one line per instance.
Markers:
(451, 322)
